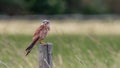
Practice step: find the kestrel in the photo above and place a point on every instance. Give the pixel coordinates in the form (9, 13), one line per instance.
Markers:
(40, 33)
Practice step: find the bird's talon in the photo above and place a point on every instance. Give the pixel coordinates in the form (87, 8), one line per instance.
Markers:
(42, 42)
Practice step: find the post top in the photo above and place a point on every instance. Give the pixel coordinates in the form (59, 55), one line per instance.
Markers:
(46, 44)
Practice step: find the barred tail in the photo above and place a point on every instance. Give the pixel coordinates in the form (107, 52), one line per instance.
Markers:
(29, 48)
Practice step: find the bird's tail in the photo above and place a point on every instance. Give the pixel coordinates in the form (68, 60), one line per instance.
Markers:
(29, 48)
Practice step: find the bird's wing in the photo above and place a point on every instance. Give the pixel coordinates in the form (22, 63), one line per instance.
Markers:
(37, 32)
(48, 28)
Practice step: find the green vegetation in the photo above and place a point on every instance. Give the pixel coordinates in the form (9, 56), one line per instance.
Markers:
(18, 7)
(69, 51)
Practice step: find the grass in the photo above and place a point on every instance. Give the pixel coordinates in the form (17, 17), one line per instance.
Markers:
(69, 51)
(76, 44)
(100, 27)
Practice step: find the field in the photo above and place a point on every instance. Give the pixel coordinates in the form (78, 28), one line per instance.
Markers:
(77, 45)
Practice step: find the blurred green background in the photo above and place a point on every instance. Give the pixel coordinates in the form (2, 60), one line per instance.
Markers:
(13, 7)
(84, 33)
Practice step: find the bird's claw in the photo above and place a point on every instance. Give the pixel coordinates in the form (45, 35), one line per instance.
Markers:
(41, 42)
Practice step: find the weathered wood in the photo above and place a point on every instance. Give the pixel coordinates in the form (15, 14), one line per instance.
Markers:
(45, 58)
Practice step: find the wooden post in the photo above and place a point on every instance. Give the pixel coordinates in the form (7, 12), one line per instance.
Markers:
(45, 58)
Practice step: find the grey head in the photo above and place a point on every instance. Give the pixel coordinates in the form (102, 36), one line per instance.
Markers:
(46, 22)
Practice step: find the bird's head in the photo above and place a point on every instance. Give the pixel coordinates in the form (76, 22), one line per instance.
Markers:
(46, 22)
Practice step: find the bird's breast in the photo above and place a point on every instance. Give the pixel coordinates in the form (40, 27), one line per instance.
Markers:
(43, 33)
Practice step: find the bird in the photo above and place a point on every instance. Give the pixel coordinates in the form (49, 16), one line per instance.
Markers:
(39, 35)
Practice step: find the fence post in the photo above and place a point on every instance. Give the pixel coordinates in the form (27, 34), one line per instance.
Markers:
(45, 56)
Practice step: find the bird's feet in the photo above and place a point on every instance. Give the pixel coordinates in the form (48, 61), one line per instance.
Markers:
(41, 42)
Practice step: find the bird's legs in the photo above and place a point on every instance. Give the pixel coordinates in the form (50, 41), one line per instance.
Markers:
(41, 42)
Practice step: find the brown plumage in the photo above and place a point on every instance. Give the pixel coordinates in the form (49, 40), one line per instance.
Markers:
(39, 35)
